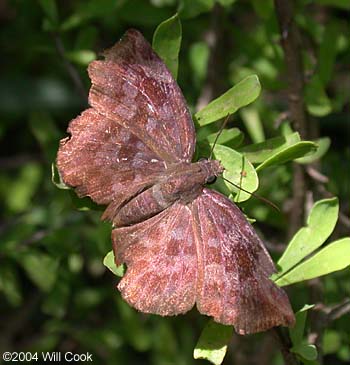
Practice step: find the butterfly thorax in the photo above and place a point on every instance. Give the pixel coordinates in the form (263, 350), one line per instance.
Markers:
(181, 182)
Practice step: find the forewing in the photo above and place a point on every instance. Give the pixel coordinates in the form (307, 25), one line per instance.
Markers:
(161, 260)
(234, 269)
(134, 87)
(105, 161)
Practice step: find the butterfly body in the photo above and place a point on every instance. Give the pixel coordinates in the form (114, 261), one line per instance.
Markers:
(183, 244)
(182, 182)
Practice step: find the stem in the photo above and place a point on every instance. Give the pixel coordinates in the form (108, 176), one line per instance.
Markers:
(290, 40)
(214, 39)
(285, 344)
(71, 70)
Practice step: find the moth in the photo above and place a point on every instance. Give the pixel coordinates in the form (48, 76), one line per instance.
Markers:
(183, 243)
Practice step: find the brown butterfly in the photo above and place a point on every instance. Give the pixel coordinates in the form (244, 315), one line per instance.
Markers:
(183, 243)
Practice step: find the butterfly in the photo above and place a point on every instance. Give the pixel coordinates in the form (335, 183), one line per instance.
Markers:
(183, 243)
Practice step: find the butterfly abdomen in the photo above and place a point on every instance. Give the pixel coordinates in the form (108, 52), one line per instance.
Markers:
(140, 208)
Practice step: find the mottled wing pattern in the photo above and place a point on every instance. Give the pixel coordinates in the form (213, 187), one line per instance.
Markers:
(234, 268)
(106, 161)
(204, 252)
(161, 259)
(133, 87)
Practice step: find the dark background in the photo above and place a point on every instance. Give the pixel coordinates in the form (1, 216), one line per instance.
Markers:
(56, 295)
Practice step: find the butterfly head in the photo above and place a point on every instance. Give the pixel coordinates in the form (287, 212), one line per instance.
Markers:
(211, 168)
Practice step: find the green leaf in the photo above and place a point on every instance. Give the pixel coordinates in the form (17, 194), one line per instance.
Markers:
(259, 152)
(109, 262)
(22, 189)
(40, 267)
(334, 257)
(320, 224)
(231, 137)
(56, 178)
(327, 53)
(286, 129)
(167, 43)
(297, 332)
(212, 343)
(331, 342)
(192, 8)
(81, 57)
(133, 331)
(9, 284)
(263, 8)
(305, 350)
(316, 99)
(253, 124)
(46, 133)
(55, 303)
(75, 262)
(198, 58)
(242, 94)
(299, 149)
(238, 170)
(226, 3)
(93, 9)
(86, 38)
(323, 146)
(49, 7)
(166, 347)
(88, 297)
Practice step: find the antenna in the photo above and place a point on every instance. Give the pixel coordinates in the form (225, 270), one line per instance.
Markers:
(223, 125)
(266, 201)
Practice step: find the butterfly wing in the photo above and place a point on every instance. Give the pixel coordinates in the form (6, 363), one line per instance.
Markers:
(134, 87)
(106, 161)
(138, 125)
(161, 259)
(234, 268)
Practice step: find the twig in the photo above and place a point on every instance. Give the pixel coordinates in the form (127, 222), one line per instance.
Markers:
(290, 43)
(72, 72)
(316, 175)
(266, 350)
(344, 219)
(213, 39)
(291, 47)
(281, 118)
(285, 344)
(335, 311)
(339, 310)
(35, 237)
(326, 315)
